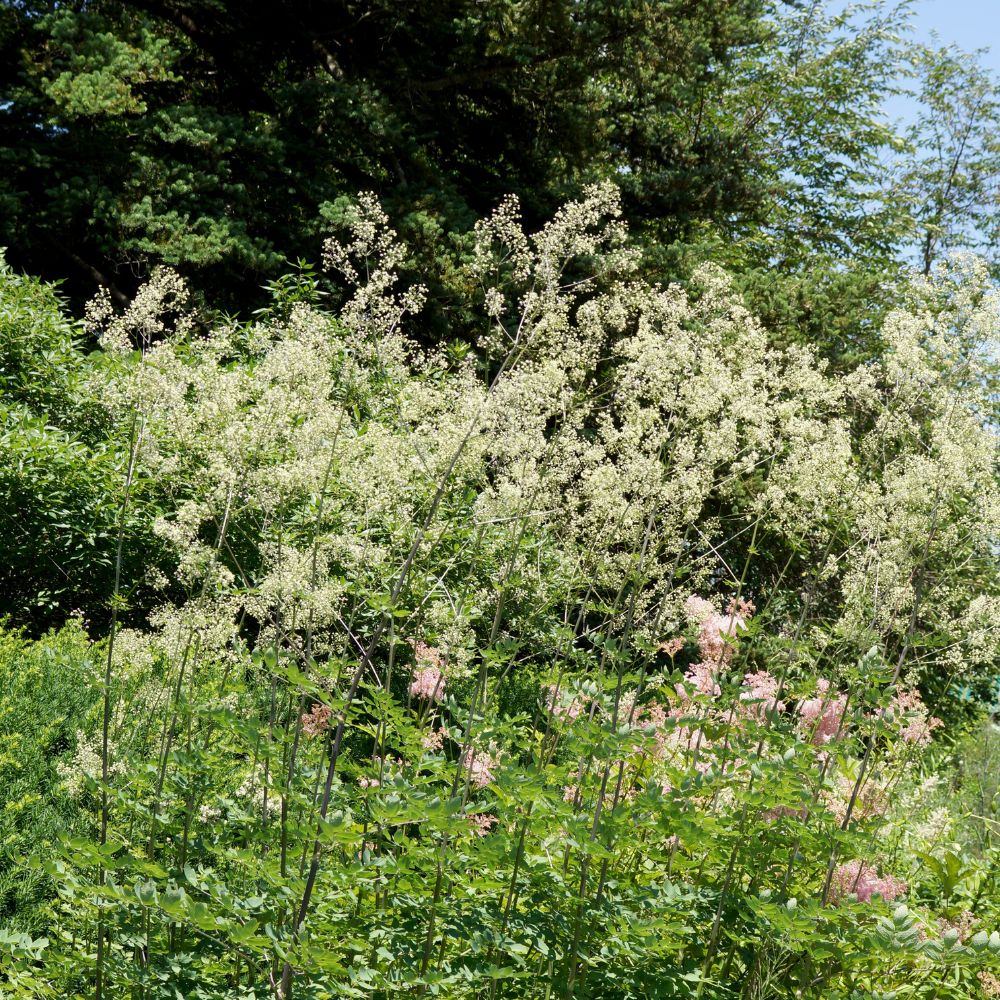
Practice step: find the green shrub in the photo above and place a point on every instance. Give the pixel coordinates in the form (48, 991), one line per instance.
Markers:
(49, 708)
(62, 468)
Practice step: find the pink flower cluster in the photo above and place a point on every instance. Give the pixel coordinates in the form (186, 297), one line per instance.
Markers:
(428, 677)
(916, 725)
(316, 721)
(863, 881)
(780, 812)
(716, 630)
(821, 718)
(715, 634)
(481, 823)
(702, 677)
(671, 647)
(564, 708)
(434, 740)
(964, 924)
(481, 765)
(760, 695)
(369, 782)
(989, 984)
(427, 656)
(428, 684)
(870, 800)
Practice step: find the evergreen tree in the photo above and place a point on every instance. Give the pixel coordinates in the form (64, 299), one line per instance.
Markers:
(216, 137)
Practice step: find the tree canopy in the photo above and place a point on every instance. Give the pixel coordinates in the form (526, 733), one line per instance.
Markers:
(217, 137)
(223, 139)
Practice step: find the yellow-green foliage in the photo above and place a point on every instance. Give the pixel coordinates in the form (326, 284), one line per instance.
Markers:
(49, 702)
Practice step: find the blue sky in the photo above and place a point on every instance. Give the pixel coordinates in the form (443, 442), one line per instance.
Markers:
(971, 24)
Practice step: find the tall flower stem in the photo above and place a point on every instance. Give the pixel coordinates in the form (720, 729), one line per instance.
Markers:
(135, 437)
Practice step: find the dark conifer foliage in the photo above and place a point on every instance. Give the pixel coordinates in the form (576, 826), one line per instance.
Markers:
(215, 137)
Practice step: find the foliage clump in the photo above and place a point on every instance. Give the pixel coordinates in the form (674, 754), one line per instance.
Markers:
(597, 656)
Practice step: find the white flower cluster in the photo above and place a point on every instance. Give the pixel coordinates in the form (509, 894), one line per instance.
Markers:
(623, 427)
(145, 318)
(369, 263)
(86, 763)
(928, 503)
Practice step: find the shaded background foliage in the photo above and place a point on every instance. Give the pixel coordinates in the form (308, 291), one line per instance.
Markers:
(223, 139)
(61, 469)
(213, 137)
